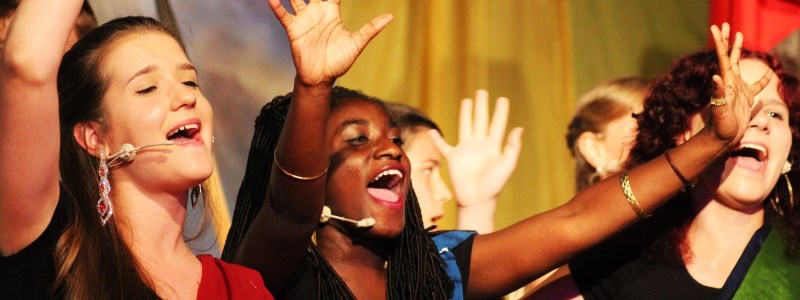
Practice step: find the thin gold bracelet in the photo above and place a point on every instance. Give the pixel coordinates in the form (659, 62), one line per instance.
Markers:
(298, 177)
(626, 189)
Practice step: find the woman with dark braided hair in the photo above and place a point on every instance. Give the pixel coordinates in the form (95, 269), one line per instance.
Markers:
(340, 149)
(738, 218)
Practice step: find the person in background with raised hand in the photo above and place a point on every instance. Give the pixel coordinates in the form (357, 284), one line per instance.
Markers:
(478, 167)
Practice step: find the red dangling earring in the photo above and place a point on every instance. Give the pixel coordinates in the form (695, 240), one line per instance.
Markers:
(104, 206)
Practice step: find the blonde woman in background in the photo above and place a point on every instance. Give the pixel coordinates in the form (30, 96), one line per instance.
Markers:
(602, 129)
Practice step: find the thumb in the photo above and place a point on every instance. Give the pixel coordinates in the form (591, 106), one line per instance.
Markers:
(438, 141)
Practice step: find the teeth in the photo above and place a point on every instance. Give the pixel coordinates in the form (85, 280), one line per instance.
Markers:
(760, 148)
(388, 172)
(184, 127)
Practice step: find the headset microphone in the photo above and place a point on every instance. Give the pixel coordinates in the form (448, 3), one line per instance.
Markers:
(326, 216)
(128, 153)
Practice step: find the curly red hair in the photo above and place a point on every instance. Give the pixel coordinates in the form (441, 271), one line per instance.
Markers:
(674, 97)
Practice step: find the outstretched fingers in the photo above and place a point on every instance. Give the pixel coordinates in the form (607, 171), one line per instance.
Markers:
(297, 5)
(481, 113)
(280, 12)
(761, 83)
(722, 51)
(499, 121)
(444, 148)
(736, 53)
(512, 147)
(465, 120)
(371, 29)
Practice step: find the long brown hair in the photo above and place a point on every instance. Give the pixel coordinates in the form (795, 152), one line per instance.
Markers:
(92, 261)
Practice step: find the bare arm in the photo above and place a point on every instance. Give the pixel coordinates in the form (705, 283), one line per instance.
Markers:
(322, 51)
(507, 259)
(29, 118)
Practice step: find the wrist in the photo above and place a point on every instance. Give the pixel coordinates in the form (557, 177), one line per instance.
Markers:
(477, 216)
(313, 87)
(713, 141)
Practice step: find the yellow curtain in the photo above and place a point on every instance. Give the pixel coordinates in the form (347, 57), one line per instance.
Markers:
(437, 52)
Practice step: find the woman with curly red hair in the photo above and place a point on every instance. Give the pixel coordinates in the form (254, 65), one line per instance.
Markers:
(702, 242)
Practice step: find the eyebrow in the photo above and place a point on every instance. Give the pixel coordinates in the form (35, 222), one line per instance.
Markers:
(773, 101)
(141, 72)
(362, 122)
(187, 67)
(351, 122)
(151, 68)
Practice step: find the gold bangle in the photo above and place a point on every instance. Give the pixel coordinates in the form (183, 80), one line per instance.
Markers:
(298, 177)
(626, 189)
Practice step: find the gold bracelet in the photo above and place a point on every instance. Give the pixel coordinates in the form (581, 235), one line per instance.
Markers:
(298, 177)
(626, 189)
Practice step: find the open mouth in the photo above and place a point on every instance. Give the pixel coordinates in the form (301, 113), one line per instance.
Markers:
(386, 185)
(750, 156)
(184, 133)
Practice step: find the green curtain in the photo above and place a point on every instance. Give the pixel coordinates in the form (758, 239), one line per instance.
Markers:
(540, 54)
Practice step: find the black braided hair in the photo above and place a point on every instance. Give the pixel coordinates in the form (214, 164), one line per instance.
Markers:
(414, 268)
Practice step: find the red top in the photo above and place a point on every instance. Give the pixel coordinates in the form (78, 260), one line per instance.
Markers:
(221, 280)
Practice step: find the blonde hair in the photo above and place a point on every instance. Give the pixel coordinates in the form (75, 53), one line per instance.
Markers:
(595, 110)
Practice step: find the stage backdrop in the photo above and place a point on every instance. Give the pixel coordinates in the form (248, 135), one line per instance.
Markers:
(540, 53)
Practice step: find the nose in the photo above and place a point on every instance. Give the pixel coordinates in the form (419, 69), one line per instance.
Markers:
(760, 122)
(185, 96)
(441, 193)
(388, 149)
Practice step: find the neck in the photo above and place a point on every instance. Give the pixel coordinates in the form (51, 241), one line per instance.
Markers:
(717, 237)
(360, 262)
(152, 226)
(339, 247)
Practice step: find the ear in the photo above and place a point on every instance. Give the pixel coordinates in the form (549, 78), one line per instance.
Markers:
(88, 135)
(591, 148)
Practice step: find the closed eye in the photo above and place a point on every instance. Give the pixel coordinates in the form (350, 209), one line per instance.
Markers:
(146, 90)
(398, 141)
(191, 83)
(359, 140)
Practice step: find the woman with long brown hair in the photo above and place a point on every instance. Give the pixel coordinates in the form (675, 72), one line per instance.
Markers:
(85, 214)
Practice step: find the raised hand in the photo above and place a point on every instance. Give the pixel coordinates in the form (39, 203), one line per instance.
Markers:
(733, 99)
(478, 167)
(322, 49)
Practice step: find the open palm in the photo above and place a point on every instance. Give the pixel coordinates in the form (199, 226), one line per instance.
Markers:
(322, 49)
(479, 166)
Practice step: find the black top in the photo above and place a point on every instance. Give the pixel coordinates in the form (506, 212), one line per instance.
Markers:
(29, 273)
(616, 269)
(639, 279)
(303, 284)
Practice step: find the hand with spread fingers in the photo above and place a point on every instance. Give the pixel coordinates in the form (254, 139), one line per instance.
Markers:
(321, 48)
(733, 99)
(479, 165)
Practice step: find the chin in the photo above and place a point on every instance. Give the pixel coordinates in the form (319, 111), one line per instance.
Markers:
(386, 231)
(743, 197)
